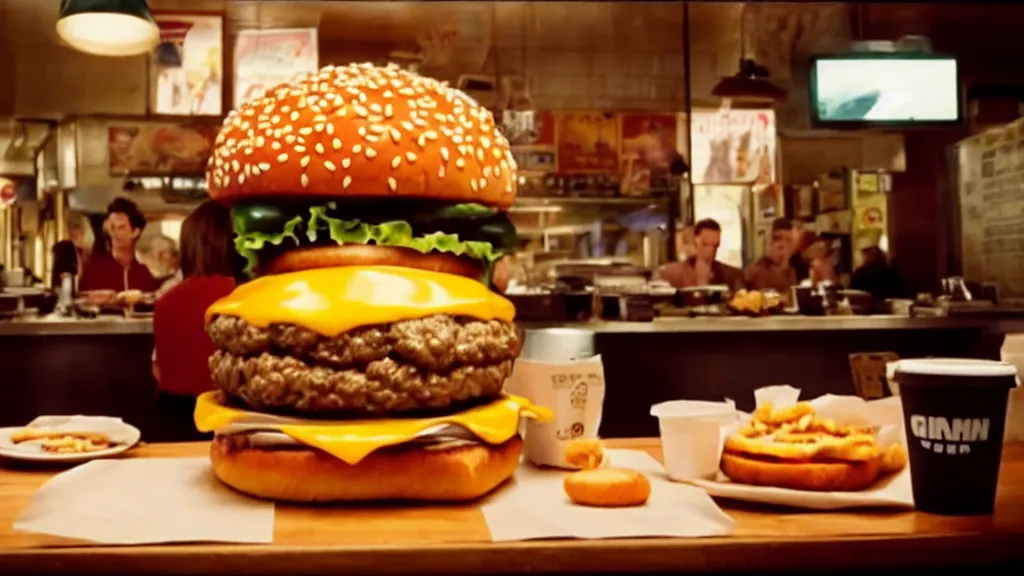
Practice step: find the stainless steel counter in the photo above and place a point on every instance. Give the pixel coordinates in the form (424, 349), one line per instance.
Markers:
(661, 325)
(75, 327)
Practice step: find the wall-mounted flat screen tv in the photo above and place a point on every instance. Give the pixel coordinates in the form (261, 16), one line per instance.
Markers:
(859, 90)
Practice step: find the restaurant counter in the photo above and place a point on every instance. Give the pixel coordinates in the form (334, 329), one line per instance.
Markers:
(430, 539)
(60, 366)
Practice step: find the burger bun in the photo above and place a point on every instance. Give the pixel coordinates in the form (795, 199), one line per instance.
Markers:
(834, 476)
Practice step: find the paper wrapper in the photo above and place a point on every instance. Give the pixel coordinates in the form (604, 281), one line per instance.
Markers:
(146, 501)
(113, 428)
(574, 391)
(890, 491)
(534, 506)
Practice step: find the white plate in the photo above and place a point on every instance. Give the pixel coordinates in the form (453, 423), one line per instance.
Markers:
(33, 453)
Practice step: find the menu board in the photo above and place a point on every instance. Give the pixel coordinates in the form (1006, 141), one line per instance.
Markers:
(266, 58)
(733, 146)
(991, 193)
(186, 74)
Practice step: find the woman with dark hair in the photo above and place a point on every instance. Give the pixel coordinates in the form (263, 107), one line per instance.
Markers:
(208, 265)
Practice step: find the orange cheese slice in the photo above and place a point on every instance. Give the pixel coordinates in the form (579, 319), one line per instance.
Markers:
(331, 301)
(352, 440)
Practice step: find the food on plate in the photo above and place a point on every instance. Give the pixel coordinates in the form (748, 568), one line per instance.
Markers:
(755, 302)
(585, 453)
(370, 206)
(607, 487)
(792, 448)
(62, 442)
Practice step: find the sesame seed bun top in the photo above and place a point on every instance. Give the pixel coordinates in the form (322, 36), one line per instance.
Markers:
(363, 131)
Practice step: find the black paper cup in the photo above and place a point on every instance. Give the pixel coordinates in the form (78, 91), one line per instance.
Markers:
(954, 411)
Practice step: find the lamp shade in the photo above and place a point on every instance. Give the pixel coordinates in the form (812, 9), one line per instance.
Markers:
(108, 27)
(750, 83)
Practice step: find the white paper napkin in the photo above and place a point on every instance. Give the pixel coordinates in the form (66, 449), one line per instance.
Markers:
(535, 506)
(146, 501)
(113, 428)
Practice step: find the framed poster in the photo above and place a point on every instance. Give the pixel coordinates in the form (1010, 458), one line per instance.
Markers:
(155, 149)
(587, 142)
(266, 58)
(733, 146)
(648, 148)
(186, 71)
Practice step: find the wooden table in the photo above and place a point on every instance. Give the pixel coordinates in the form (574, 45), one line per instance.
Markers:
(455, 540)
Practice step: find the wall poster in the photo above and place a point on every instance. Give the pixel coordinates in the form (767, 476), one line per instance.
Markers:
(266, 58)
(186, 71)
(733, 146)
(588, 142)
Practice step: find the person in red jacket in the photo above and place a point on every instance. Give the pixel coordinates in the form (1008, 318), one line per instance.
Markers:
(116, 267)
(208, 265)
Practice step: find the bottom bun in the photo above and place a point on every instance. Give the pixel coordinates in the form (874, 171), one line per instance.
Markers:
(449, 474)
(812, 476)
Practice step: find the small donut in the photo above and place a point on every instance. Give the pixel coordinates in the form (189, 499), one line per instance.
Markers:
(608, 487)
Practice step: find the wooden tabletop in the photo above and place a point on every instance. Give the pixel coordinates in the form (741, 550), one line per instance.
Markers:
(455, 540)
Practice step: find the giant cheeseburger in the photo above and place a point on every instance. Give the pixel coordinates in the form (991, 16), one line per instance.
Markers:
(366, 360)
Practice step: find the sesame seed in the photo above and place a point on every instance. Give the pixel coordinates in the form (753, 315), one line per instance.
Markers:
(343, 111)
(412, 104)
(330, 129)
(289, 139)
(462, 149)
(287, 129)
(264, 166)
(330, 165)
(319, 148)
(360, 110)
(430, 134)
(370, 152)
(457, 139)
(396, 161)
(282, 158)
(406, 91)
(300, 149)
(389, 94)
(256, 171)
(362, 97)
(378, 129)
(357, 148)
(305, 180)
(408, 125)
(241, 178)
(503, 164)
(304, 162)
(235, 165)
(372, 138)
(487, 171)
(483, 182)
(260, 141)
(460, 163)
(422, 141)
(318, 127)
(473, 184)
(346, 162)
(497, 153)
(497, 171)
(275, 119)
(410, 156)
(444, 153)
(485, 141)
(295, 116)
(480, 154)
(346, 182)
(336, 144)
(375, 108)
(393, 184)
(440, 172)
(389, 111)
(362, 131)
(419, 122)
(306, 130)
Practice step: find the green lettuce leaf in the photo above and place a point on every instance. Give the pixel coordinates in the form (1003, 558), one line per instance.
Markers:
(249, 243)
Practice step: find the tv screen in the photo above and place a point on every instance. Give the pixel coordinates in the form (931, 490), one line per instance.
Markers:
(891, 89)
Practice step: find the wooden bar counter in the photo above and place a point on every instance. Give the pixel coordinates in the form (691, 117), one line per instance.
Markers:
(455, 540)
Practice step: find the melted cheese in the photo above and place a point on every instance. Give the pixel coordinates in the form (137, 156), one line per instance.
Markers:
(331, 301)
(352, 440)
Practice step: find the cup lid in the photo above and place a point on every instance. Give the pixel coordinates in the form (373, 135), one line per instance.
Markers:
(956, 367)
(692, 408)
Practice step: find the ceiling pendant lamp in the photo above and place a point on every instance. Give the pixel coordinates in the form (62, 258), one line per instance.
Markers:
(108, 27)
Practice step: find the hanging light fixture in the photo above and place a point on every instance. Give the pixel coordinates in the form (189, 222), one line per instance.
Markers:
(108, 27)
(752, 82)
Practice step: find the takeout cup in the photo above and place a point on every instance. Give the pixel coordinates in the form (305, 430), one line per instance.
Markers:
(691, 436)
(954, 412)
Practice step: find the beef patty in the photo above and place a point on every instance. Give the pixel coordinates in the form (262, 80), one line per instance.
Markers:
(431, 363)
